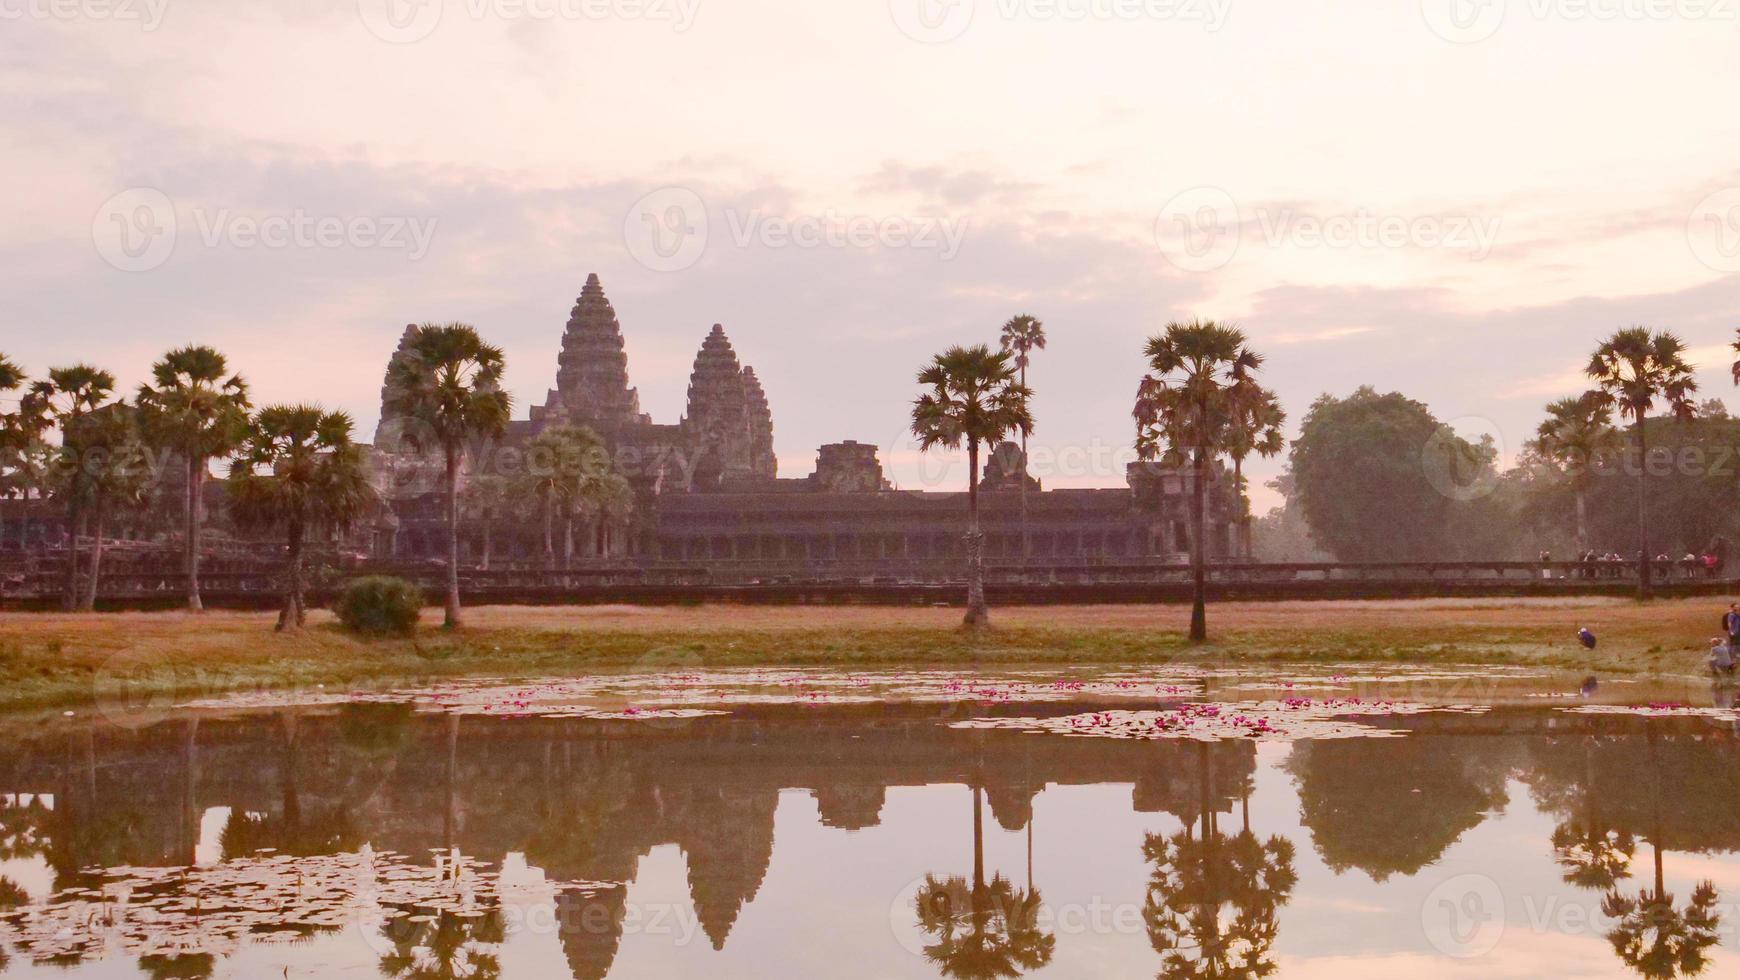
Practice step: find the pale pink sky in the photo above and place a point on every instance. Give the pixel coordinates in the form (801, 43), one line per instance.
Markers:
(1453, 201)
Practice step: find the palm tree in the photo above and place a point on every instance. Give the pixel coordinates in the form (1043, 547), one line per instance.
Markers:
(1257, 421)
(13, 439)
(1631, 369)
(199, 410)
(298, 469)
(1574, 435)
(449, 384)
(563, 462)
(65, 397)
(1021, 336)
(609, 499)
(1186, 412)
(975, 397)
(106, 469)
(486, 499)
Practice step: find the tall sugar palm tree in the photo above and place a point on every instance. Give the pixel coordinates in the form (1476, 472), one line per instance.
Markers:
(1573, 436)
(104, 465)
(1257, 421)
(297, 470)
(1021, 336)
(63, 399)
(448, 384)
(486, 499)
(974, 397)
(13, 439)
(562, 464)
(1186, 410)
(197, 409)
(1632, 370)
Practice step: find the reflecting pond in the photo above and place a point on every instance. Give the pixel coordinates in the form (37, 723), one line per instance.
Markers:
(913, 825)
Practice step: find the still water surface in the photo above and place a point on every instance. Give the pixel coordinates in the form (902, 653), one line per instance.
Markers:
(853, 830)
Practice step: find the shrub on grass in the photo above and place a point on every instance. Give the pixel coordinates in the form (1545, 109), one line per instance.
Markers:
(380, 605)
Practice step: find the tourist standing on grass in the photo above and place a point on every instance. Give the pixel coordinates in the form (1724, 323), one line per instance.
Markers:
(1731, 624)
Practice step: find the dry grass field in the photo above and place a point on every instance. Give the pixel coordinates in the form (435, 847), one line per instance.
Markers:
(53, 659)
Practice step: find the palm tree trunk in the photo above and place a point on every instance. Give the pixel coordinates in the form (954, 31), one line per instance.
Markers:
(89, 603)
(453, 612)
(74, 523)
(1582, 499)
(1198, 559)
(195, 483)
(978, 838)
(293, 616)
(1244, 542)
(1026, 538)
(978, 613)
(567, 541)
(488, 544)
(549, 531)
(1643, 587)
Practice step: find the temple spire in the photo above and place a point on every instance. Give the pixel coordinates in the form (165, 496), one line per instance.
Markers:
(592, 370)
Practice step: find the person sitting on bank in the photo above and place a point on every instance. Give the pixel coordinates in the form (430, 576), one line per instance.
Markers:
(1721, 656)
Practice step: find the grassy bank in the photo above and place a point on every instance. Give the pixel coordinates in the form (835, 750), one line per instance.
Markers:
(54, 659)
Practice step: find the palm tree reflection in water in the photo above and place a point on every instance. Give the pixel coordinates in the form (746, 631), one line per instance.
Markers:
(1213, 900)
(984, 929)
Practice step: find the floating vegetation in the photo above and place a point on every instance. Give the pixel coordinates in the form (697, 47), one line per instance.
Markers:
(694, 693)
(1287, 720)
(1659, 709)
(176, 912)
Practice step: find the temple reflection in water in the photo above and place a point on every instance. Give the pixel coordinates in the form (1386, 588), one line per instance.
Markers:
(912, 844)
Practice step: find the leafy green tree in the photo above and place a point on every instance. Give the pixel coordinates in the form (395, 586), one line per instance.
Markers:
(1632, 370)
(448, 383)
(298, 470)
(1575, 434)
(105, 469)
(974, 397)
(1187, 409)
(62, 399)
(196, 408)
(1021, 336)
(1360, 475)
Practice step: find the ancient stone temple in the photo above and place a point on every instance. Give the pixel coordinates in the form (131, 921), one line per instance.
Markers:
(708, 492)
